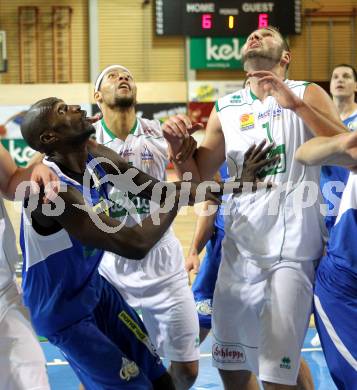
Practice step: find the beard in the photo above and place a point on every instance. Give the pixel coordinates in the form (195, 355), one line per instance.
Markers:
(83, 136)
(262, 59)
(124, 102)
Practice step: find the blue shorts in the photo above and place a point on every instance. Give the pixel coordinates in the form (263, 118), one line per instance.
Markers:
(205, 282)
(110, 348)
(335, 309)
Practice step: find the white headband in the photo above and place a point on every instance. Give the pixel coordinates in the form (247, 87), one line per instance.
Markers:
(104, 71)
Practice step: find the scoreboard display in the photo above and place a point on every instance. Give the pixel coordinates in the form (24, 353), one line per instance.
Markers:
(225, 18)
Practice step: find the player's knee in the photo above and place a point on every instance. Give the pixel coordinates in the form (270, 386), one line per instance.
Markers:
(185, 373)
(304, 380)
(238, 379)
(165, 382)
(190, 373)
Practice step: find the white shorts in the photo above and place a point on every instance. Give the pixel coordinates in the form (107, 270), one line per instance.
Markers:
(157, 286)
(22, 363)
(260, 317)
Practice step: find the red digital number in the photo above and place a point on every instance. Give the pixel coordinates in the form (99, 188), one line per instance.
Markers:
(206, 21)
(263, 20)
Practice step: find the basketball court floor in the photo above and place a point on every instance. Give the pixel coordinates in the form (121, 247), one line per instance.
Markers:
(62, 377)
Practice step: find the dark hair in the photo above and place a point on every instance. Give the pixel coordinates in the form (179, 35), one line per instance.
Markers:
(346, 66)
(36, 121)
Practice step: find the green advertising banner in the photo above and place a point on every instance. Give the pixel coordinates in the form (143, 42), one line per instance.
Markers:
(19, 150)
(216, 53)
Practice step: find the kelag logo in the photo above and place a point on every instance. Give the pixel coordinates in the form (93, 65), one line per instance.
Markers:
(19, 150)
(216, 53)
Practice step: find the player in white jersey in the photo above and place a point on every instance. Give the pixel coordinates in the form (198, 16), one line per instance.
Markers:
(263, 296)
(157, 285)
(22, 363)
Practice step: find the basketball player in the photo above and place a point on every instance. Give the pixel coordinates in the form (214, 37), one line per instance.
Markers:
(158, 285)
(263, 296)
(343, 88)
(335, 293)
(22, 363)
(103, 339)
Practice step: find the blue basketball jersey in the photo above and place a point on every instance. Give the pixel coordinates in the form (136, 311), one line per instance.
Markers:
(60, 274)
(335, 293)
(351, 121)
(333, 180)
(342, 247)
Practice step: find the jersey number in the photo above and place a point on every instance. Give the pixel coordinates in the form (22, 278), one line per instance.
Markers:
(277, 151)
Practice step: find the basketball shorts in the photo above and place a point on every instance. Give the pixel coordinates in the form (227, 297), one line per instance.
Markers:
(22, 363)
(157, 287)
(110, 349)
(260, 317)
(335, 309)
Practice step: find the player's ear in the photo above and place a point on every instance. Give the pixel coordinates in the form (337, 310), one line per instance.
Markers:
(98, 97)
(285, 58)
(48, 138)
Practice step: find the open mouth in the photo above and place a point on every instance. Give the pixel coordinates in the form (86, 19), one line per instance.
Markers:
(93, 118)
(124, 86)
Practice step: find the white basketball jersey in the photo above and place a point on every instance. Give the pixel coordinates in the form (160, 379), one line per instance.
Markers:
(146, 149)
(8, 252)
(284, 222)
(8, 257)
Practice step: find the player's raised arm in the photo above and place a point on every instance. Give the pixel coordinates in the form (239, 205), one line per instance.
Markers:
(100, 231)
(316, 108)
(208, 157)
(11, 176)
(338, 150)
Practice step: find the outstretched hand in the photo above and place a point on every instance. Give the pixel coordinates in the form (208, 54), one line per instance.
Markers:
(192, 263)
(42, 176)
(348, 144)
(256, 158)
(188, 147)
(177, 131)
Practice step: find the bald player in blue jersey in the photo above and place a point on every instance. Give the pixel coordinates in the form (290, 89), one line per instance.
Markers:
(335, 293)
(103, 339)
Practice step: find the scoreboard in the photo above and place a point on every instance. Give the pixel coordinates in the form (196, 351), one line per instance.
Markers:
(225, 18)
